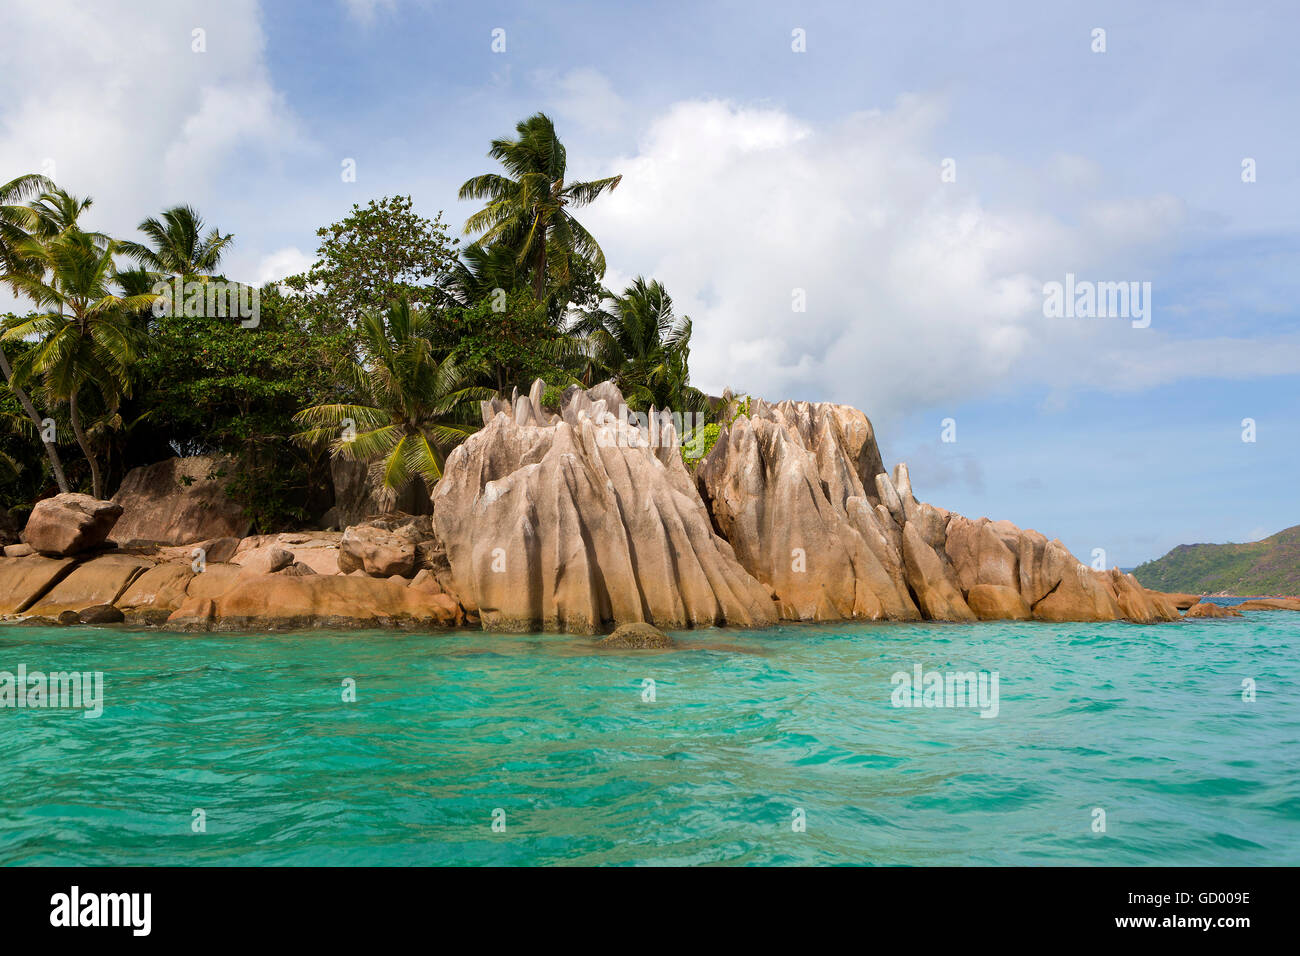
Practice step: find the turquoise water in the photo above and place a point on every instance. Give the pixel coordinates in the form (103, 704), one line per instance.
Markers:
(1147, 723)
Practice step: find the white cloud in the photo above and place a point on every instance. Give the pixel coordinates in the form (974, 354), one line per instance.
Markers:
(917, 291)
(281, 264)
(115, 96)
(586, 97)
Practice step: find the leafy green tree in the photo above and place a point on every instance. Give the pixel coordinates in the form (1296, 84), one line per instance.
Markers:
(209, 386)
(85, 335)
(507, 339)
(178, 246)
(637, 340)
(410, 408)
(16, 220)
(373, 257)
(528, 209)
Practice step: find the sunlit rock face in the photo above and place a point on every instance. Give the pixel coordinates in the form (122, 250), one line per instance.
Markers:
(800, 492)
(575, 521)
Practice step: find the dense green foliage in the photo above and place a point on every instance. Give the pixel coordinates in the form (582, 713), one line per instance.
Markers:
(381, 352)
(1267, 567)
(374, 256)
(409, 407)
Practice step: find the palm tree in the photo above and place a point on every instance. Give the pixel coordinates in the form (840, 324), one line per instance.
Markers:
(179, 246)
(644, 347)
(16, 221)
(413, 408)
(56, 211)
(85, 335)
(481, 270)
(527, 209)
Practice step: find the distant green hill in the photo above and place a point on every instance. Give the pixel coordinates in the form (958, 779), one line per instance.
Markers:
(1271, 566)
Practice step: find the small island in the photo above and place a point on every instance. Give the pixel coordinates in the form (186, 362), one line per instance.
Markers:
(351, 448)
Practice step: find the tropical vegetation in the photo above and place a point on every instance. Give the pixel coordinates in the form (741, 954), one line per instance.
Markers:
(381, 352)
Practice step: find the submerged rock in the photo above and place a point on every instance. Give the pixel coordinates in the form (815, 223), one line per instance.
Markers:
(101, 614)
(637, 635)
(1208, 609)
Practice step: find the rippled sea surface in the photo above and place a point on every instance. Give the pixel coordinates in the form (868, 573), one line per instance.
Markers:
(746, 729)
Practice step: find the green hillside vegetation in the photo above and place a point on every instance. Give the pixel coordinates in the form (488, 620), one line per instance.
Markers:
(1271, 567)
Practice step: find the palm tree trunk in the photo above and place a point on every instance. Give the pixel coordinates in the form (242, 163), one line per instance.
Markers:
(51, 452)
(96, 487)
(539, 284)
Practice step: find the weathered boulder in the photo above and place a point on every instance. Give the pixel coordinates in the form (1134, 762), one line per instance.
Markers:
(264, 560)
(788, 489)
(179, 501)
(1137, 604)
(100, 614)
(280, 602)
(218, 550)
(100, 580)
(23, 581)
(932, 580)
(1208, 609)
(997, 602)
(70, 524)
(574, 522)
(318, 550)
(1179, 600)
(214, 580)
(153, 596)
(983, 552)
(18, 550)
(378, 551)
(637, 635)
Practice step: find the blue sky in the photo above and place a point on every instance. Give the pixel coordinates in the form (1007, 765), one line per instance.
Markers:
(752, 171)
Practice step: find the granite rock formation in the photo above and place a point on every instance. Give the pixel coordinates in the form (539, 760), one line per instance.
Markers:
(179, 501)
(575, 521)
(572, 518)
(800, 492)
(70, 524)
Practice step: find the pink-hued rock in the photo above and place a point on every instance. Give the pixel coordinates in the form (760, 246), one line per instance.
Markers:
(378, 551)
(97, 581)
(23, 581)
(574, 523)
(1207, 609)
(179, 501)
(155, 594)
(70, 524)
(278, 602)
(786, 480)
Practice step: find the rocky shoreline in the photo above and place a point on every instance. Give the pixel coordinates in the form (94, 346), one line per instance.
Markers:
(573, 519)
